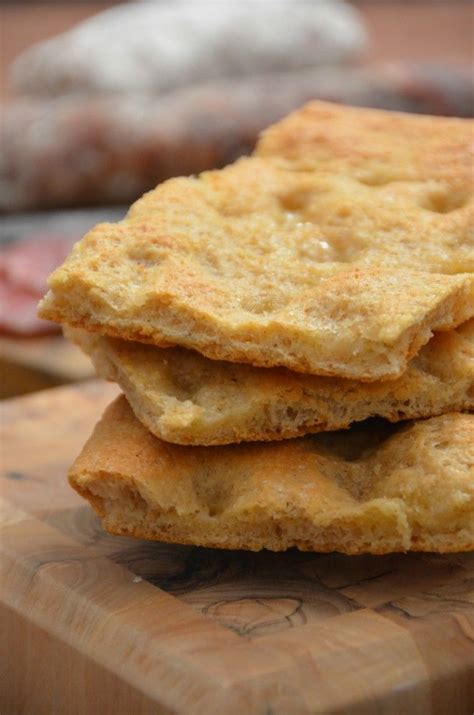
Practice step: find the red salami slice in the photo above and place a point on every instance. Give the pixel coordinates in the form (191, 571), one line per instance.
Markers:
(24, 268)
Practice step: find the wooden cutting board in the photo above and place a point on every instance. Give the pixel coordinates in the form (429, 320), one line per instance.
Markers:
(30, 364)
(101, 624)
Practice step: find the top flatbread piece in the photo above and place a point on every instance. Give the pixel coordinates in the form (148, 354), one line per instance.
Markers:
(337, 249)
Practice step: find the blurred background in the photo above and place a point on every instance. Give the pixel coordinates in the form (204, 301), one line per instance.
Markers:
(101, 101)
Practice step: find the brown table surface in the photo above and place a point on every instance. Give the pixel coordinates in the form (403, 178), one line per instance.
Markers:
(436, 30)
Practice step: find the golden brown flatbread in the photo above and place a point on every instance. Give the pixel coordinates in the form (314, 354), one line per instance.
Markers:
(185, 398)
(334, 250)
(362, 491)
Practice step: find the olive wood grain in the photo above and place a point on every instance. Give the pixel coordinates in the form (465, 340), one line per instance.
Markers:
(93, 623)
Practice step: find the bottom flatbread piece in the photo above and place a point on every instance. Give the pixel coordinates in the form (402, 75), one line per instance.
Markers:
(376, 488)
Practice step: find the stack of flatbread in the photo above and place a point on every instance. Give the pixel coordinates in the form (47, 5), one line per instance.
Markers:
(294, 338)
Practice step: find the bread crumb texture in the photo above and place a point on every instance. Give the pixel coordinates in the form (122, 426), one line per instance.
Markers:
(336, 249)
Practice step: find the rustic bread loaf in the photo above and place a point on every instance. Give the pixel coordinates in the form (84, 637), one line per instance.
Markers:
(152, 47)
(89, 149)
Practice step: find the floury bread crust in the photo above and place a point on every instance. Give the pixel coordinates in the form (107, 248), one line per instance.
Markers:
(334, 250)
(185, 398)
(355, 492)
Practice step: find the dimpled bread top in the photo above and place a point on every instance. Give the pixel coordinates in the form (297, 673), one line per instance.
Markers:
(336, 249)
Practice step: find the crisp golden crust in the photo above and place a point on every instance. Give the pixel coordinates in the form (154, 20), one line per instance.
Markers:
(364, 491)
(185, 398)
(332, 251)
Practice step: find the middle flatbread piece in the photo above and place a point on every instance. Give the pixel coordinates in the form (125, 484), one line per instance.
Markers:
(185, 398)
